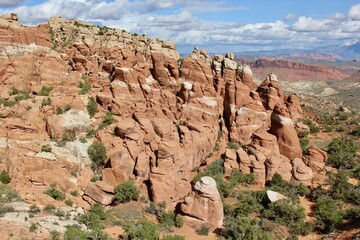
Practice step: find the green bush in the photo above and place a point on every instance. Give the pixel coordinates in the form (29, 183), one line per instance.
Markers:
(342, 153)
(173, 237)
(23, 95)
(49, 208)
(304, 144)
(46, 148)
(45, 91)
(46, 102)
(59, 111)
(328, 214)
(248, 202)
(75, 233)
(55, 193)
(7, 194)
(74, 193)
(216, 168)
(125, 192)
(142, 229)
(5, 177)
(67, 107)
(203, 230)
(239, 178)
(244, 228)
(97, 154)
(108, 120)
(167, 220)
(313, 128)
(34, 209)
(91, 220)
(84, 85)
(290, 189)
(33, 227)
(99, 210)
(13, 91)
(232, 145)
(179, 221)
(290, 214)
(55, 235)
(69, 202)
(91, 107)
(5, 209)
(356, 131)
(7, 103)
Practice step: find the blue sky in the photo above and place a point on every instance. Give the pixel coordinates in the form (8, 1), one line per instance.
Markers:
(219, 26)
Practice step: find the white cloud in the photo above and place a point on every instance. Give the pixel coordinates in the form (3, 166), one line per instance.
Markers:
(354, 11)
(308, 24)
(290, 16)
(176, 20)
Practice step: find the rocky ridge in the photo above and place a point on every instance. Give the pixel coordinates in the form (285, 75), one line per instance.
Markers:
(169, 113)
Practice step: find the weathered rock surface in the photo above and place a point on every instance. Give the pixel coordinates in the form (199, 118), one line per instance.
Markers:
(168, 116)
(203, 205)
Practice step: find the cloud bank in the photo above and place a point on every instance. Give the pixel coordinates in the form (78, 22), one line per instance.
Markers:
(176, 20)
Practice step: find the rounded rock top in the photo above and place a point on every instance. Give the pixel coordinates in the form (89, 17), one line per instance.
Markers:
(209, 181)
(272, 77)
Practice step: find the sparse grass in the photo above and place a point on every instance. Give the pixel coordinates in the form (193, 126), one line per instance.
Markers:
(46, 148)
(55, 193)
(45, 91)
(46, 102)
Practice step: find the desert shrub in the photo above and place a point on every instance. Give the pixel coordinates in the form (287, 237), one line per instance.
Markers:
(23, 95)
(167, 220)
(216, 168)
(91, 107)
(313, 128)
(328, 128)
(46, 148)
(67, 107)
(74, 193)
(173, 237)
(59, 111)
(304, 144)
(7, 103)
(142, 229)
(339, 187)
(125, 192)
(356, 131)
(239, 178)
(156, 209)
(91, 220)
(179, 221)
(290, 214)
(33, 227)
(46, 102)
(353, 214)
(108, 120)
(45, 91)
(55, 235)
(69, 202)
(84, 85)
(342, 153)
(248, 202)
(55, 193)
(327, 119)
(13, 91)
(244, 228)
(232, 145)
(290, 189)
(75, 232)
(97, 154)
(99, 210)
(328, 213)
(203, 230)
(7, 194)
(34, 209)
(5, 209)
(49, 208)
(5, 177)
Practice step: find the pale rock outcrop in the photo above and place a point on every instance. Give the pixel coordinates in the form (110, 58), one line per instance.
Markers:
(203, 205)
(273, 196)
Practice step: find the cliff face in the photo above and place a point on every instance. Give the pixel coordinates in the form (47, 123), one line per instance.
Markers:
(167, 114)
(295, 71)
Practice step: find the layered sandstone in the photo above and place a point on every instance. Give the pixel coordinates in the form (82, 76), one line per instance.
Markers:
(168, 115)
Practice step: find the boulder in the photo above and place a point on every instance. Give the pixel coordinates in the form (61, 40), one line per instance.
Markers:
(203, 205)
